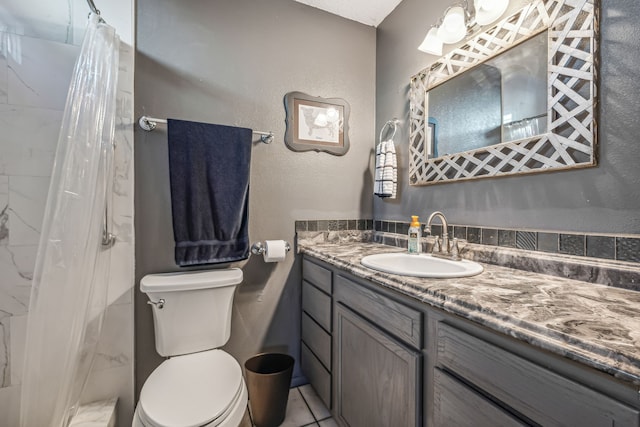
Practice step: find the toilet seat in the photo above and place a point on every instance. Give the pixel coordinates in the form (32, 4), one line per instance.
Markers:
(192, 390)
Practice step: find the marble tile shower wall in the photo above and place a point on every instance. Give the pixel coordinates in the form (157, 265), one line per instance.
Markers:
(34, 79)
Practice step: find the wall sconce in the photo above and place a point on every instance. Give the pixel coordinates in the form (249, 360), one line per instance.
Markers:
(458, 20)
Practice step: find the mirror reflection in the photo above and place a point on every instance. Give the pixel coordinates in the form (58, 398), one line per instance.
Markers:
(503, 99)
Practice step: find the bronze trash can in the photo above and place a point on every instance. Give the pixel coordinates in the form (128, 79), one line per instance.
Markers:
(268, 379)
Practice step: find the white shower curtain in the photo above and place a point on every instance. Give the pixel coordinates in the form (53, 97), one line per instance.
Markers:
(69, 292)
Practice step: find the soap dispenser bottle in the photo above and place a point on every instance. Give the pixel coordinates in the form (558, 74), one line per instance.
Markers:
(414, 246)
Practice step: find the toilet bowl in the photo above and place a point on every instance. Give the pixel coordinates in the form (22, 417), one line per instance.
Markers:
(201, 389)
(198, 385)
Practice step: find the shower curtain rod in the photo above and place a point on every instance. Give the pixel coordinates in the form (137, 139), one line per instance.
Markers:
(93, 7)
(149, 124)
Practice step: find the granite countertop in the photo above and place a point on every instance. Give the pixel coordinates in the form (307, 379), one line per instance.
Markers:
(596, 325)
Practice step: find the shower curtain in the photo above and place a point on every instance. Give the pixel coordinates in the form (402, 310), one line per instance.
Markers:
(69, 288)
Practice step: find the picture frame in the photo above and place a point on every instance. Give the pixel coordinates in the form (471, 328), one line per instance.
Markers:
(316, 124)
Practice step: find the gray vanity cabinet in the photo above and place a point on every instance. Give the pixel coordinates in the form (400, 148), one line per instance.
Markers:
(528, 390)
(315, 357)
(377, 359)
(380, 358)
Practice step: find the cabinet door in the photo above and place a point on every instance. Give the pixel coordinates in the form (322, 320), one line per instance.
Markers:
(316, 304)
(375, 375)
(399, 320)
(319, 377)
(317, 339)
(539, 394)
(459, 406)
(317, 275)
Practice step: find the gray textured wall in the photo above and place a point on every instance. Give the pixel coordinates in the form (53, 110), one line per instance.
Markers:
(602, 199)
(231, 62)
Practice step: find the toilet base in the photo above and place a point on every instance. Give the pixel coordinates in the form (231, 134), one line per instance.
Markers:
(232, 420)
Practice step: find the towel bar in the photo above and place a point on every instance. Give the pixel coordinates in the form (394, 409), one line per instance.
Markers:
(150, 123)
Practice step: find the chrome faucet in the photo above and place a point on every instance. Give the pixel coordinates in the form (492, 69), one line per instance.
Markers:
(443, 245)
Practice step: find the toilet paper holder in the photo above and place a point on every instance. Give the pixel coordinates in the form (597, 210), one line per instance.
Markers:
(258, 248)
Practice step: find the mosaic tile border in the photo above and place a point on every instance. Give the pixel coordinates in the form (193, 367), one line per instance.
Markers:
(611, 247)
(334, 224)
(598, 246)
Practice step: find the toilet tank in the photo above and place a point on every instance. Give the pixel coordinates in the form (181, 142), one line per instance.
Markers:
(196, 313)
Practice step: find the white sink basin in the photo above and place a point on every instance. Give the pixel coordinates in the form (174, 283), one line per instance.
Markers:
(421, 265)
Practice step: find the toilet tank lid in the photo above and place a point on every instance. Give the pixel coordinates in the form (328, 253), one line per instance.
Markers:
(190, 280)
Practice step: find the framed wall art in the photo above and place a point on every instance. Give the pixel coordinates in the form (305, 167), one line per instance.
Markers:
(316, 124)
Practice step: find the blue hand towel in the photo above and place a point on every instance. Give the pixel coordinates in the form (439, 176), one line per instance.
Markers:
(209, 171)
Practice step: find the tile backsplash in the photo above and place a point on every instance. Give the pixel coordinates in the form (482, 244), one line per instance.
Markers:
(615, 247)
(610, 247)
(334, 225)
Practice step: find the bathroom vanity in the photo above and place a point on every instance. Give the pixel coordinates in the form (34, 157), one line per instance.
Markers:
(503, 348)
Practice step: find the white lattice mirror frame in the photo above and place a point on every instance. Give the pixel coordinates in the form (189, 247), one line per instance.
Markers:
(571, 140)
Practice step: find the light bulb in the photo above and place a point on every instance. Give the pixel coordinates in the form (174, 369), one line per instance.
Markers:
(453, 28)
(454, 19)
(488, 11)
(485, 5)
(431, 43)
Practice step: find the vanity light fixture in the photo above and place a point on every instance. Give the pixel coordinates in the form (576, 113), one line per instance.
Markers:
(488, 11)
(459, 20)
(432, 43)
(454, 25)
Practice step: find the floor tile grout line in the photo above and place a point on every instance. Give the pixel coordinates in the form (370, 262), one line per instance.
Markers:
(250, 416)
(315, 421)
(307, 404)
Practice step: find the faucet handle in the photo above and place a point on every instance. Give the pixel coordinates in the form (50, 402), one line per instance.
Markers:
(437, 246)
(455, 250)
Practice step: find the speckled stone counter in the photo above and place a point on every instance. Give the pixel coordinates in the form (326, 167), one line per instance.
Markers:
(596, 325)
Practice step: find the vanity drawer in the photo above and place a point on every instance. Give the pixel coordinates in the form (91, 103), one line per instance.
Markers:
(398, 319)
(316, 304)
(317, 375)
(455, 404)
(319, 276)
(317, 339)
(535, 392)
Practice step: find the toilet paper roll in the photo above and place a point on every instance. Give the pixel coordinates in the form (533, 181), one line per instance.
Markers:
(274, 250)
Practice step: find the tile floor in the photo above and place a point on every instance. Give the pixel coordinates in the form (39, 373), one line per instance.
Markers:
(304, 408)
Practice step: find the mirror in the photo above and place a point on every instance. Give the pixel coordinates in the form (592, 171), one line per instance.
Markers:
(502, 99)
(517, 98)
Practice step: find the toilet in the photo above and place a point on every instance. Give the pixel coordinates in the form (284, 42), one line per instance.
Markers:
(199, 384)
